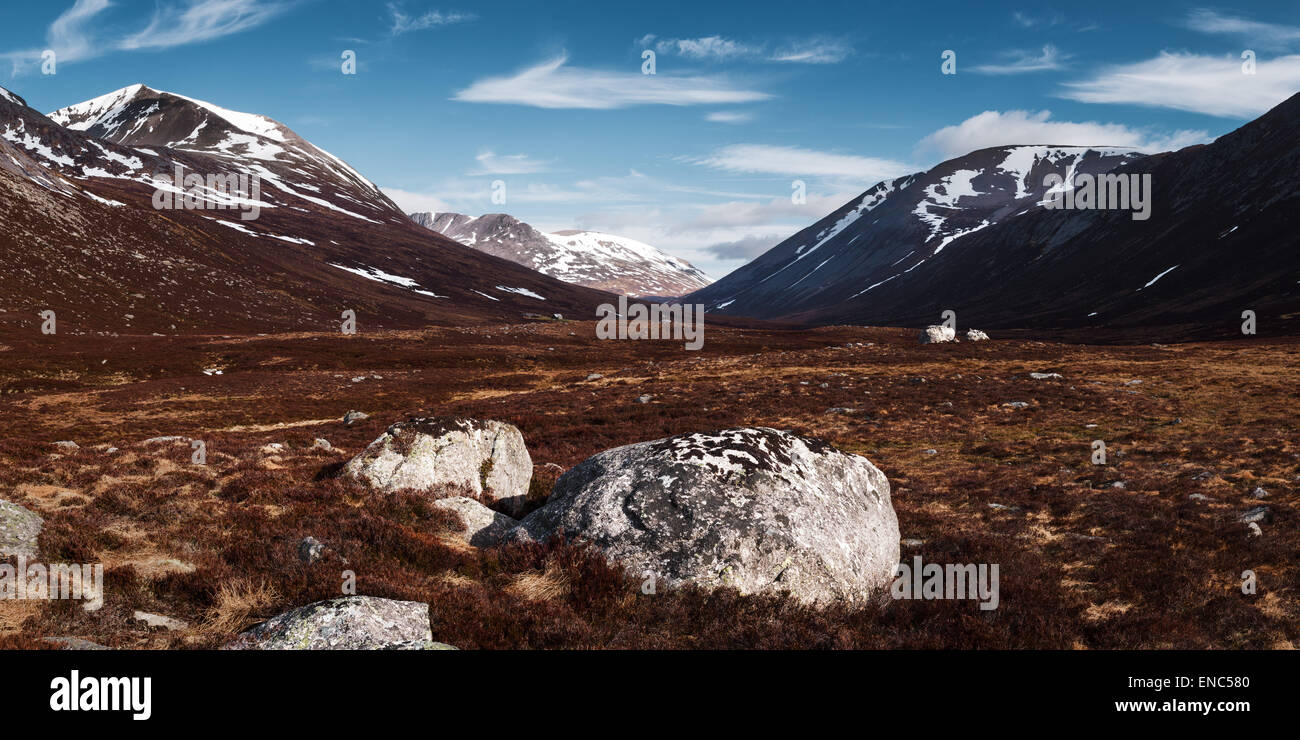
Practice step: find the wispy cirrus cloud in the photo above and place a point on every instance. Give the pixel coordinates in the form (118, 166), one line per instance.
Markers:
(401, 22)
(1214, 85)
(1261, 34)
(1001, 128)
(202, 20)
(719, 48)
(797, 161)
(1022, 62)
(77, 33)
(729, 116)
(491, 163)
(555, 84)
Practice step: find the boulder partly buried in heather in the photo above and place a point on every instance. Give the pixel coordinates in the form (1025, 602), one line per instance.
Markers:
(486, 459)
(349, 623)
(19, 530)
(483, 526)
(758, 509)
(936, 334)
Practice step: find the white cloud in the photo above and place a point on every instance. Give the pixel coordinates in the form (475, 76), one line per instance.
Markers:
(1264, 35)
(402, 23)
(707, 47)
(552, 84)
(799, 162)
(727, 116)
(67, 37)
(997, 128)
(1214, 85)
(202, 20)
(411, 202)
(818, 51)
(491, 163)
(1022, 62)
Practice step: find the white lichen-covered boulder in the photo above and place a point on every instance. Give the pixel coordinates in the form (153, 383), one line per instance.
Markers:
(484, 459)
(975, 335)
(349, 623)
(937, 334)
(483, 526)
(758, 509)
(19, 531)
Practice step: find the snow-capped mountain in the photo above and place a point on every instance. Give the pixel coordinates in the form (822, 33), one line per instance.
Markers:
(973, 235)
(898, 226)
(590, 258)
(84, 233)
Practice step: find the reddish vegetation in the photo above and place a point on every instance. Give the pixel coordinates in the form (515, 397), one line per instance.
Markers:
(1083, 564)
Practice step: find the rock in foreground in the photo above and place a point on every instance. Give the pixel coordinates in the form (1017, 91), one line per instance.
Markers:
(350, 623)
(755, 508)
(19, 529)
(486, 459)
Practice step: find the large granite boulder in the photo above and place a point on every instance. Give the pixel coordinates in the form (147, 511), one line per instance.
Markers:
(937, 334)
(349, 623)
(755, 508)
(484, 459)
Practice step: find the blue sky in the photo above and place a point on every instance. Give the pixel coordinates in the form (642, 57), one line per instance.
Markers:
(699, 158)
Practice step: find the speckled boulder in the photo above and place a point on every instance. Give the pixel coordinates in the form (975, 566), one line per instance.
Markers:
(938, 334)
(485, 459)
(19, 529)
(349, 623)
(755, 508)
(483, 526)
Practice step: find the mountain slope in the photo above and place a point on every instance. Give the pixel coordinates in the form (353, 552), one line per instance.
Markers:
(589, 258)
(81, 235)
(897, 227)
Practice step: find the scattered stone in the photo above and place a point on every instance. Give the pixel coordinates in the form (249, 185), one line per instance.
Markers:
(1255, 515)
(354, 416)
(1133, 382)
(1016, 404)
(322, 444)
(595, 376)
(348, 623)
(1259, 492)
(975, 335)
(558, 316)
(931, 451)
(841, 410)
(483, 526)
(1118, 484)
(938, 334)
(310, 550)
(1203, 475)
(757, 509)
(75, 643)
(1003, 507)
(19, 530)
(644, 399)
(912, 543)
(1201, 497)
(487, 458)
(421, 644)
(158, 620)
(160, 440)
(1045, 376)
(67, 444)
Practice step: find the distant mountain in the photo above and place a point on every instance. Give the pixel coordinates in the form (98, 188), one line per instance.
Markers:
(590, 258)
(973, 235)
(82, 236)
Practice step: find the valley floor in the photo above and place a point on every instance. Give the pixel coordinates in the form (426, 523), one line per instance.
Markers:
(987, 465)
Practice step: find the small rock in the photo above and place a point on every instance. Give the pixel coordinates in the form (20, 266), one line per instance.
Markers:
(75, 643)
(1117, 484)
(1201, 497)
(19, 531)
(421, 644)
(841, 410)
(1133, 382)
(310, 550)
(160, 440)
(349, 623)
(1003, 507)
(938, 335)
(353, 416)
(1016, 404)
(67, 444)
(1255, 515)
(322, 444)
(595, 376)
(483, 526)
(975, 335)
(931, 452)
(1259, 492)
(912, 543)
(1044, 376)
(644, 399)
(158, 620)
